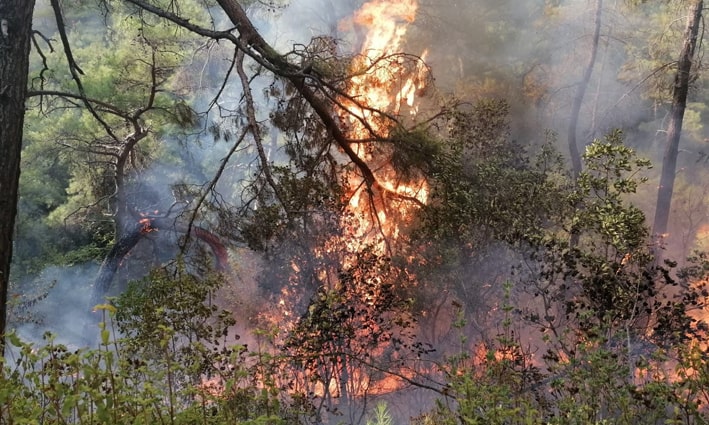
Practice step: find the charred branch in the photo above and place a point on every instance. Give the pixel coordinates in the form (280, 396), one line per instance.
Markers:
(133, 234)
(123, 245)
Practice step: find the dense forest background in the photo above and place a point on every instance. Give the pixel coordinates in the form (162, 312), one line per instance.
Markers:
(361, 212)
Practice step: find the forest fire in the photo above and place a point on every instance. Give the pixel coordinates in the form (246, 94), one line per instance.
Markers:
(146, 221)
(374, 86)
(383, 89)
(341, 241)
(384, 82)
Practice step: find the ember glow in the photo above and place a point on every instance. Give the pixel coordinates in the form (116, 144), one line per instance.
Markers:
(147, 222)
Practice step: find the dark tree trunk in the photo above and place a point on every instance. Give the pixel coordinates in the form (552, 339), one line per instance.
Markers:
(674, 129)
(581, 92)
(126, 240)
(131, 235)
(15, 38)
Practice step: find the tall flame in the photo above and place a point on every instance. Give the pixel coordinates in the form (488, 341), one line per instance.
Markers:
(387, 22)
(384, 82)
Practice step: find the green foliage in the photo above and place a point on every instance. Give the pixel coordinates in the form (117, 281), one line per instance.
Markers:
(484, 187)
(597, 386)
(609, 318)
(51, 384)
(172, 365)
(171, 305)
(600, 384)
(652, 47)
(604, 280)
(413, 151)
(494, 385)
(380, 415)
(602, 212)
(487, 198)
(171, 325)
(134, 76)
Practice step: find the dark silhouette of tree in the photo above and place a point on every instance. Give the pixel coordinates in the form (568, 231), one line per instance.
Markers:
(15, 39)
(680, 90)
(580, 93)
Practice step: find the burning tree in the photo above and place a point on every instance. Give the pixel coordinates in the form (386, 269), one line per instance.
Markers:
(344, 125)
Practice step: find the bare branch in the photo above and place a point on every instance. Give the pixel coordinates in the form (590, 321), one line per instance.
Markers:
(254, 125)
(211, 185)
(106, 107)
(184, 23)
(40, 52)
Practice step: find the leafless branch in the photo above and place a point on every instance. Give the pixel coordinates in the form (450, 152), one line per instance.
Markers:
(40, 52)
(105, 106)
(211, 185)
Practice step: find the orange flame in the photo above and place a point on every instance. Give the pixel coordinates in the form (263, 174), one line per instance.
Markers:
(385, 83)
(379, 70)
(382, 85)
(147, 225)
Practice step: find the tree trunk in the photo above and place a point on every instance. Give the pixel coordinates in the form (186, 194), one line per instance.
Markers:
(15, 38)
(581, 92)
(674, 129)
